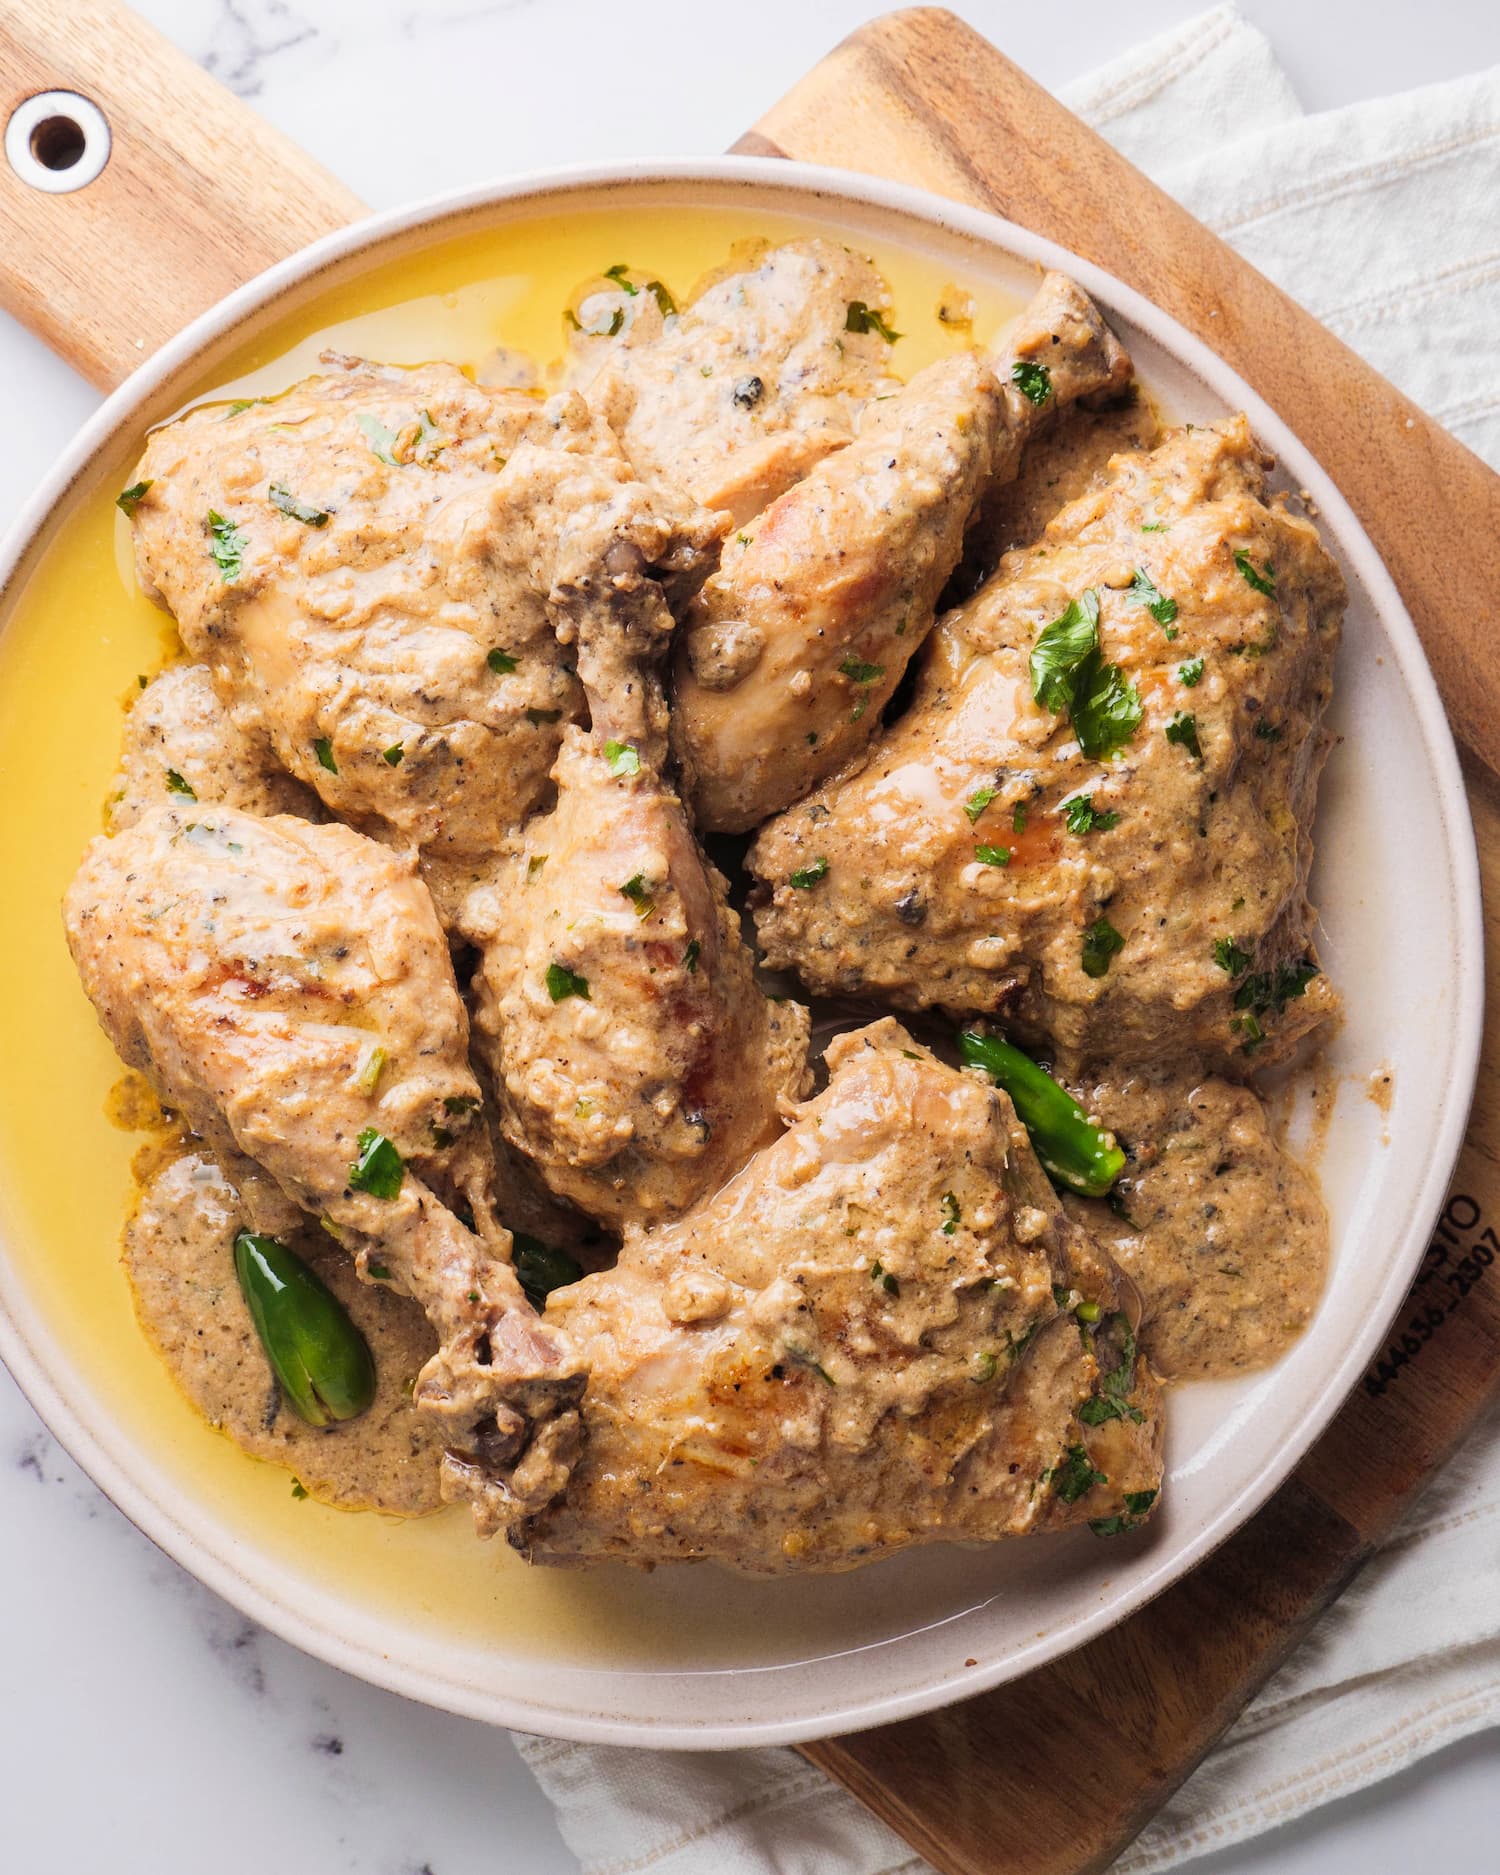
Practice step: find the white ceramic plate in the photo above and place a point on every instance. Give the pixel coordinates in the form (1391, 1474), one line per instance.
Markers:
(786, 1661)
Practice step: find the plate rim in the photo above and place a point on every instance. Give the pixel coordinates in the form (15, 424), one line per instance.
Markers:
(111, 1470)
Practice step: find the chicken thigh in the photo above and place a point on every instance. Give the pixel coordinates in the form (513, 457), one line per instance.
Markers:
(289, 989)
(373, 566)
(638, 1062)
(181, 745)
(1096, 815)
(794, 647)
(746, 389)
(885, 1331)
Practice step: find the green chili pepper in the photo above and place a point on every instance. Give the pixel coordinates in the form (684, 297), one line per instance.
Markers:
(1074, 1152)
(320, 1358)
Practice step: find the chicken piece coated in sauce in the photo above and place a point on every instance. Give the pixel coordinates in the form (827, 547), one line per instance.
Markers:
(182, 745)
(737, 396)
(1148, 903)
(288, 988)
(638, 1062)
(885, 1331)
(794, 647)
(375, 566)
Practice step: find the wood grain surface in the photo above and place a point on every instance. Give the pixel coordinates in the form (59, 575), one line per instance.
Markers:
(1051, 1776)
(198, 196)
(1055, 1774)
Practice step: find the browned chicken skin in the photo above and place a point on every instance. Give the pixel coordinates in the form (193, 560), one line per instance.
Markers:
(287, 988)
(866, 1340)
(947, 871)
(795, 645)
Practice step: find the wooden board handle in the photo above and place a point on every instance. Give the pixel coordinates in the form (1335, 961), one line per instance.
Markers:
(197, 196)
(922, 97)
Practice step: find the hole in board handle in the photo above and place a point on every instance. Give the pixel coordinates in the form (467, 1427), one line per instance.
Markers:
(57, 141)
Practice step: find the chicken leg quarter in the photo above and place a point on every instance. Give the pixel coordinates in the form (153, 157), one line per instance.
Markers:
(883, 1332)
(288, 987)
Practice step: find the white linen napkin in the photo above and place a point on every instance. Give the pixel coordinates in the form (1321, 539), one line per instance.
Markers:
(1384, 220)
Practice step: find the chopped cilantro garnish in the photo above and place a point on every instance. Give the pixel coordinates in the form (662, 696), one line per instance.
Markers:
(1018, 817)
(1101, 942)
(1183, 731)
(1083, 817)
(952, 1216)
(1068, 673)
(501, 662)
(859, 672)
(177, 785)
(1062, 649)
(992, 855)
(1190, 673)
(863, 318)
(129, 499)
(1262, 579)
(1230, 958)
(691, 955)
(806, 876)
(881, 1275)
(1032, 380)
(379, 1169)
(227, 545)
(288, 503)
(977, 802)
(323, 749)
(563, 983)
(623, 758)
(639, 894)
(1075, 1474)
(1143, 591)
(394, 755)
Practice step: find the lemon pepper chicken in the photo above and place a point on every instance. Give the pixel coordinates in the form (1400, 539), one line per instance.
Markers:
(1125, 873)
(379, 569)
(639, 1063)
(288, 989)
(883, 1332)
(796, 644)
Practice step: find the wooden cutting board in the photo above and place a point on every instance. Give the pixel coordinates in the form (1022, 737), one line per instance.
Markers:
(1053, 1775)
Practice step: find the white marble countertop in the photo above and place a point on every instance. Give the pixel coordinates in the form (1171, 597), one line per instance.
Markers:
(146, 1726)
